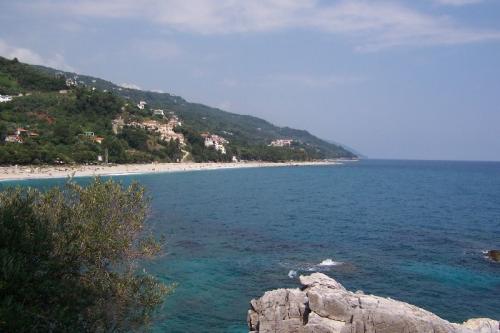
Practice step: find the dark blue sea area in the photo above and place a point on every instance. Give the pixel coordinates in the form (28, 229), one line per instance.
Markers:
(410, 230)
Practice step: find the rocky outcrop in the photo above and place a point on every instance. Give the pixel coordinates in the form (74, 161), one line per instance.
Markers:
(324, 306)
(494, 255)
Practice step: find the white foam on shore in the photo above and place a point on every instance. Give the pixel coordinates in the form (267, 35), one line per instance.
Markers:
(292, 274)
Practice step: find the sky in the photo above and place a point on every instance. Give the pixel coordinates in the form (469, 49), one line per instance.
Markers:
(413, 79)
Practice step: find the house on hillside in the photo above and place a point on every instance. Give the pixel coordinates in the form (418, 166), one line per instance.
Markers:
(166, 131)
(71, 82)
(21, 131)
(142, 105)
(88, 135)
(98, 139)
(14, 138)
(158, 112)
(5, 98)
(174, 121)
(216, 141)
(281, 143)
(151, 125)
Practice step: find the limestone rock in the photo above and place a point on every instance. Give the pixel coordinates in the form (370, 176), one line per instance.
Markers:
(324, 306)
(282, 310)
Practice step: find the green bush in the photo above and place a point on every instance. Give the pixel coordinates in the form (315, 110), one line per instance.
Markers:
(68, 259)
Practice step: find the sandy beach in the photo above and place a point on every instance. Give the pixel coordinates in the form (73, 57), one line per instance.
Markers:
(64, 171)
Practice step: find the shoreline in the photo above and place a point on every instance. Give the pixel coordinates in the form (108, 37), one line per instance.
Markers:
(32, 172)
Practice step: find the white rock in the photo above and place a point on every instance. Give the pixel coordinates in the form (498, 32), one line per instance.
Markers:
(325, 306)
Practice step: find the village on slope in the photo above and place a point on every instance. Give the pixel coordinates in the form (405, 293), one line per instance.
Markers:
(162, 122)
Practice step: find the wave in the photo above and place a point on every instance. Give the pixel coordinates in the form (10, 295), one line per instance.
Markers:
(323, 266)
(330, 262)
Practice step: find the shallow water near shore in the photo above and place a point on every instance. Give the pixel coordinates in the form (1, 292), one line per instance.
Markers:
(411, 230)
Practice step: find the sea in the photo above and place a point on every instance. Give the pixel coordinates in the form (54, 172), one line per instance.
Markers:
(415, 231)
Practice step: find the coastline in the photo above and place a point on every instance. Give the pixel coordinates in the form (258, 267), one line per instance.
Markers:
(28, 172)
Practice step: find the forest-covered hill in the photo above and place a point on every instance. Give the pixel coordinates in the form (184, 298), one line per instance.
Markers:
(61, 117)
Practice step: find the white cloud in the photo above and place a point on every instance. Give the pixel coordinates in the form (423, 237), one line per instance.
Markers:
(370, 25)
(384, 25)
(28, 56)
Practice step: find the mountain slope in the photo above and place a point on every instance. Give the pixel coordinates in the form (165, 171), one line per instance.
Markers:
(247, 129)
(63, 117)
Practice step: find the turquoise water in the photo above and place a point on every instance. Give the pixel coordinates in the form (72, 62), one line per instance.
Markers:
(414, 231)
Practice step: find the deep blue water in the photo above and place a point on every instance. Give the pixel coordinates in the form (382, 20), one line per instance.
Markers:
(411, 230)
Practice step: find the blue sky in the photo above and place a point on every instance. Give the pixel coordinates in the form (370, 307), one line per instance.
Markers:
(392, 79)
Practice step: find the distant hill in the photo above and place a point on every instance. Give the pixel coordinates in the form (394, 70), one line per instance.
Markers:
(178, 130)
(349, 148)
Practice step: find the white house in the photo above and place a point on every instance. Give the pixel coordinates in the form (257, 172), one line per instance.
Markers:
(71, 83)
(142, 105)
(5, 98)
(281, 143)
(158, 112)
(212, 140)
(174, 121)
(13, 138)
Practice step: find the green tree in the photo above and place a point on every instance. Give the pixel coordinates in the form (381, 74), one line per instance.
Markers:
(68, 259)
(116, 149)
(64, 133)
(136, 138)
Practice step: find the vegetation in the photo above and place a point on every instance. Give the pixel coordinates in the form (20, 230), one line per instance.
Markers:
(16, 77)
(69, 258)
(60, 121)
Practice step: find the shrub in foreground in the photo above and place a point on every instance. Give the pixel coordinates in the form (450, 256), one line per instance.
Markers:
(69, 259)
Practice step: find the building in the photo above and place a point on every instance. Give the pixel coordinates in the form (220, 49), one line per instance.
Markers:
(71, 83)
(142, 105)
(98, 139)
(92, 137)
(5, 98)
(216, 141)
(166, 131)
(158, 112)
(151, 125)
(174, 121)
(14, 139)
(281, 143)
(21, 131)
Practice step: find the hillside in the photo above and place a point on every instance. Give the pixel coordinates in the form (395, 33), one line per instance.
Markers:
(65, 117)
